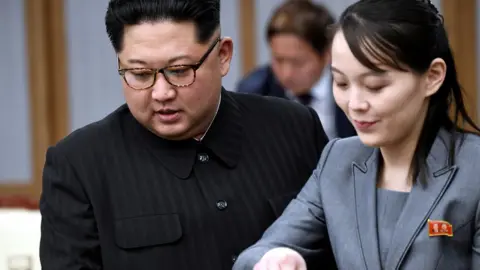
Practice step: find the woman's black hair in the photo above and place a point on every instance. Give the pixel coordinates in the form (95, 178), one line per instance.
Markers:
(408, 35)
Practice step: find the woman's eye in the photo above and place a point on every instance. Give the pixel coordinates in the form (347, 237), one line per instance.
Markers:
(375, 88)
(341, 84)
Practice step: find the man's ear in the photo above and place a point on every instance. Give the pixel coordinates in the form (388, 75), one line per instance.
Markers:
(225, 54)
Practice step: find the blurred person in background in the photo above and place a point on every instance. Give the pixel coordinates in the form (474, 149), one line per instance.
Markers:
(186, 174)
(299, 40)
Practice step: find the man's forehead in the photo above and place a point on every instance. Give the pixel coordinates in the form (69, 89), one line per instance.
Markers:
(158, 44)
(292, 55)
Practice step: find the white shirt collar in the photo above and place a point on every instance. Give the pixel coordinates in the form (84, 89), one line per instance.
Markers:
(322, 89)
(214, 116)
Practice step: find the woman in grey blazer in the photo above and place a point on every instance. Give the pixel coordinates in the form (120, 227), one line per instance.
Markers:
(405, 193)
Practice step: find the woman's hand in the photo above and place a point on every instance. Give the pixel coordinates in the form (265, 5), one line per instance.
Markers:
(281, 259)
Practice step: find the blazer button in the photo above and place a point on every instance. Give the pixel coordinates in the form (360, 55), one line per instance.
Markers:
(234, 258)
(221, 205)
(203, 157)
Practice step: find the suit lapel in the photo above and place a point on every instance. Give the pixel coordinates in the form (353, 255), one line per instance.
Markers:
(421, 202)
(365, 178)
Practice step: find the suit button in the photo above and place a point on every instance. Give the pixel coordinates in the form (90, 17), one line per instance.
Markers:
(234, 258)
(222, 205)
(203, 157)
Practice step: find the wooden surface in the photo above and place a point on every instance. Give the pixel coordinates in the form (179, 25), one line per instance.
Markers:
(248, 40)
(48, 90)
(460, 22)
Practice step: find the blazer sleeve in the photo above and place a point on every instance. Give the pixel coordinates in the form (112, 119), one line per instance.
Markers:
(69, 238)
(301, 227)
(476, 242)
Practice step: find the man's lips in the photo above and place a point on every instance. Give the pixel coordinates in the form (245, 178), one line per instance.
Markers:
(167, 111)
(167, 115)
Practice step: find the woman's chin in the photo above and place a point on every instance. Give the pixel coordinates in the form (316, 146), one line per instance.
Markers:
(371, 139)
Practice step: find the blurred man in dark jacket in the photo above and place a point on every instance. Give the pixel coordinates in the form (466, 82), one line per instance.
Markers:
(299, 40)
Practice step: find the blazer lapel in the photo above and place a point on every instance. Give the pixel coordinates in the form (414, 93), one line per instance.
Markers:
(365, 178)
(421, 202)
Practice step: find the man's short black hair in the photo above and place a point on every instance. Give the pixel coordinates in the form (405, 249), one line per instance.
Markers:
(205, 14)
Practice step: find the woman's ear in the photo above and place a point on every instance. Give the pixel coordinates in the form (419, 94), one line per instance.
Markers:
(435, 76)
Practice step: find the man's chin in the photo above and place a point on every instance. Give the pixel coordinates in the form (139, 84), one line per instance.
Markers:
(299, 92)
(174, 132)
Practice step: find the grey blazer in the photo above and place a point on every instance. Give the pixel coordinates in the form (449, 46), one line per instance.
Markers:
(337, 209)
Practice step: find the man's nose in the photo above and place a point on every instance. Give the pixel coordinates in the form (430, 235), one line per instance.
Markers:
(162, 90)
(288, 72)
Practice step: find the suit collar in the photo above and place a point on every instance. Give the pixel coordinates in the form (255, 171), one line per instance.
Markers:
(420, 204)
(226, 134)
(223, 140)
(272, 86)
(365, 178)
(215, 116)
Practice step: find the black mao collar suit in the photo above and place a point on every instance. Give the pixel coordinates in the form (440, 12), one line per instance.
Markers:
(115, 196)
(224, 140)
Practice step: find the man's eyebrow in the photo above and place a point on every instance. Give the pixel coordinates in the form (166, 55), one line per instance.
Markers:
(169, 62)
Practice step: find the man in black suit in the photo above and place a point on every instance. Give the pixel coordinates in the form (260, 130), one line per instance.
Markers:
(299, 41)
(185, 175)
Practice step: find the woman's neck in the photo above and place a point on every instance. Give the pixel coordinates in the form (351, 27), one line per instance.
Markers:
(396, 170)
